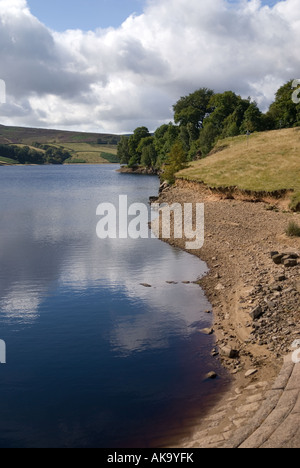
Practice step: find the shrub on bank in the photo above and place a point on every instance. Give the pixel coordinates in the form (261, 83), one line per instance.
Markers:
(293, 229)
(295, 202)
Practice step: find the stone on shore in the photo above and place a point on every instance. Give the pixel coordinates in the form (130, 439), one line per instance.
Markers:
(207, 331)
(211, 375)
(280, 278)
(273, 253)
(290, 263)
(287, 259)
(277, 258)
(256, 313)
(293, 255)
(229, 352)
(164, 186)
(251, 372)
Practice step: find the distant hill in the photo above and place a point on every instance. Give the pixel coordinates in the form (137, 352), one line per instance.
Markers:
(90, 148)
(27, 136)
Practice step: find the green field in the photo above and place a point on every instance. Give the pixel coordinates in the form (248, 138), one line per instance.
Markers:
(91, 153)
(29, 146)
(267, 162)
(6, 161)
(83, 147)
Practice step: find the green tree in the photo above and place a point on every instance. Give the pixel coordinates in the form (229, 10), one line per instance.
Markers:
(56, 156)
(284, 112)
(208, 138)
(268, 123)
(188, 136)
(184, 137)
(224, 121)
(148, 153)
(193, 108)
(193, 133)
(147, 141)
(223, 104)
(164, 138)
(232, 124)
(123, 150)
(177, 160)
(149, 156)
(133, 143)
(253, 120)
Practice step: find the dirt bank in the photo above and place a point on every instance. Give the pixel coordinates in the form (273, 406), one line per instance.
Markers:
(244, 282)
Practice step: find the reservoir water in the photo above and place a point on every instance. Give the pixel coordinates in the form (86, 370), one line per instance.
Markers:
(94, 359)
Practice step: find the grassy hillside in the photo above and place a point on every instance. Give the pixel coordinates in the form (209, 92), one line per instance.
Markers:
(6, 161)
(267, 162)
(84, 147)
(19, 145)
(91, 153)
(29, 135)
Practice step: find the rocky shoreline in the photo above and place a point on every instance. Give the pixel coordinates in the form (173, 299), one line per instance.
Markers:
(253, 286)
(138, 171)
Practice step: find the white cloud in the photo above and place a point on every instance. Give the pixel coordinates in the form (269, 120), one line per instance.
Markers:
(117, 79)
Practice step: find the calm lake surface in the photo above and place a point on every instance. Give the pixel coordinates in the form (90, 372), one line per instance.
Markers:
(94, 359)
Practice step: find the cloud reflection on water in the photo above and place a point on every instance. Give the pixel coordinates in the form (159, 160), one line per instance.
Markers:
(48, 246)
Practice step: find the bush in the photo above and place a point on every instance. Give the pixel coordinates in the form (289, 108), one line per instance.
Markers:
(176, 162)
(293, 229)
(112, 158)
(295, 202)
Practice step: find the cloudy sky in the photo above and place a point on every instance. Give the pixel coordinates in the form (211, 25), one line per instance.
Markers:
(112, 65)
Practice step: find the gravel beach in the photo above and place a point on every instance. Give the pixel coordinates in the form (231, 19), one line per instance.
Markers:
(254, 288)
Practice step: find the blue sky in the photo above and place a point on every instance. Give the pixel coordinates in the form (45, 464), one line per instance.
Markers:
(90, 14)
(84, 14)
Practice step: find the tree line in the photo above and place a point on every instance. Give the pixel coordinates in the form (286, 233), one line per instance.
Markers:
(200, 120)
(27, 155)
(113, 140)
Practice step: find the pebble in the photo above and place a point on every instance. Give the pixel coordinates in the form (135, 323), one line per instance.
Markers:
(251, 372)
(229, 352)
(211, 375)
(207, 331)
